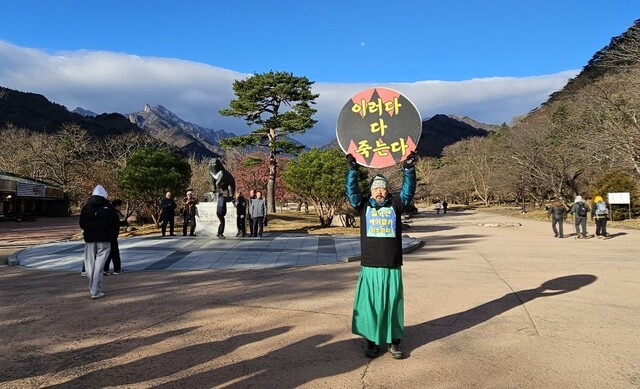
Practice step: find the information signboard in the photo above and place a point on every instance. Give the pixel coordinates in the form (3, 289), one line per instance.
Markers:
(619, 198)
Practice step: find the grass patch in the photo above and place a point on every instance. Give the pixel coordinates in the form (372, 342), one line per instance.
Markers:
(293, 221)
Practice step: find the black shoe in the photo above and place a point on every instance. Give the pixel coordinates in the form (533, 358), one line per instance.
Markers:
(372, 350)
(396, 352)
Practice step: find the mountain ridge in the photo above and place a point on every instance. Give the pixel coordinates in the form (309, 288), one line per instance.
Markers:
(162, 123)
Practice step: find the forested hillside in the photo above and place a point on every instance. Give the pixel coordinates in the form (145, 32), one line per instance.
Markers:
(584, 140)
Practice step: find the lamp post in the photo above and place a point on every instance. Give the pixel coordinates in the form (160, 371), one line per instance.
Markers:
(524, 203)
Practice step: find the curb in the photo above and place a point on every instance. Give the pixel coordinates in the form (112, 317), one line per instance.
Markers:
(13, 258)
(414, 244)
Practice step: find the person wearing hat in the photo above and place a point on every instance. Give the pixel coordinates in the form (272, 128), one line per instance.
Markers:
(581, 210)
(378, 309)
(189, 213)
(98, 219)
(600, 213)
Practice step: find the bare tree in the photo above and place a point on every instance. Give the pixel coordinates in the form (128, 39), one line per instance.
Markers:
(478, 163)
(611, 109)
(199, 176)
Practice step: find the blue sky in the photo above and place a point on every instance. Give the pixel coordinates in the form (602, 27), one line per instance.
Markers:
(457, 46)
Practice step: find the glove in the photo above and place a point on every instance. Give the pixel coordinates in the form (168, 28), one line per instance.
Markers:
(351, 160)
(410, 160)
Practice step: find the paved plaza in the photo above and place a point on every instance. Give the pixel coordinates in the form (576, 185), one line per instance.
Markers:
(490, 302)
(195, 253)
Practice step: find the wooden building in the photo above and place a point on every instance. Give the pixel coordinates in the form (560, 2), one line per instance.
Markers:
(24, 198)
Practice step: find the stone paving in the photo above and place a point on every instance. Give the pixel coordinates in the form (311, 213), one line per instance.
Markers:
(196, 253)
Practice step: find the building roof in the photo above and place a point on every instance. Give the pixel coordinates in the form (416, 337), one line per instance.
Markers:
(13, 177)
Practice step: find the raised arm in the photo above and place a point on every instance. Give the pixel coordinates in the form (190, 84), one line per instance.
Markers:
(408, 180)
(352, 189)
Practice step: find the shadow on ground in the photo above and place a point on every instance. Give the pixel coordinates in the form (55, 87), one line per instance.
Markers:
(308, 359)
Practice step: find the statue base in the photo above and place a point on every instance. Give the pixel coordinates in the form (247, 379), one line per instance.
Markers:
(207, 221)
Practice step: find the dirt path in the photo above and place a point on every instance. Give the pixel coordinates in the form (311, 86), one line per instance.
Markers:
(15, 236)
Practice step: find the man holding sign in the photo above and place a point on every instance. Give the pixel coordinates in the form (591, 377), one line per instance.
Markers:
(378, 309)
(380, 127)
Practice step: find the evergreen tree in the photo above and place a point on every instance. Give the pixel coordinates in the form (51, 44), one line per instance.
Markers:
(149, 174)
(318, 176)
(279, 103)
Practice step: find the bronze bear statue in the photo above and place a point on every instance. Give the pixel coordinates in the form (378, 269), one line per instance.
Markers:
(220, 178)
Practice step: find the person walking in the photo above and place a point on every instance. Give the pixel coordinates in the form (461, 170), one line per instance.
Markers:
(600, 213)
(98, 219)
(252, 196)
(258, 214)
(241, 214)
(581, 211)
(378, 308)
(167, 215)
(438, 206)
(114, 253)
(221, 212)
(445, 205)
(557, 212)
(189, 213)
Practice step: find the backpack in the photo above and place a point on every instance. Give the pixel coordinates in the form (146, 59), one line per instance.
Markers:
(601, 209)
(582, 209)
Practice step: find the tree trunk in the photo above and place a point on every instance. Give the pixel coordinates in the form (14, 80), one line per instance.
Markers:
(271, 185)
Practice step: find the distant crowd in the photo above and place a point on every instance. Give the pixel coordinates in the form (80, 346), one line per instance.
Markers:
(251, 211)
(558, 213)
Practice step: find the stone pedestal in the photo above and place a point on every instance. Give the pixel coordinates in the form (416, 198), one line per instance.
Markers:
(207, 222)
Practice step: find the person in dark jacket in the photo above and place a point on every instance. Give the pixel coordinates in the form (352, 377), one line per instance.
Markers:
(221, 212)
(378, 308)
(581, 210)
(241, 214)
(445, 205)
(557, 213)
(252, 196)
(114, 253)
(98, 219)
(167, 215)
(189, 213)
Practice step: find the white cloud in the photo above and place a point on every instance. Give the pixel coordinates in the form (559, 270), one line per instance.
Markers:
(115, 82)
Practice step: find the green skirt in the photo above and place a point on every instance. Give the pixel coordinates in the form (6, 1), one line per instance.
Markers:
(378, 309)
